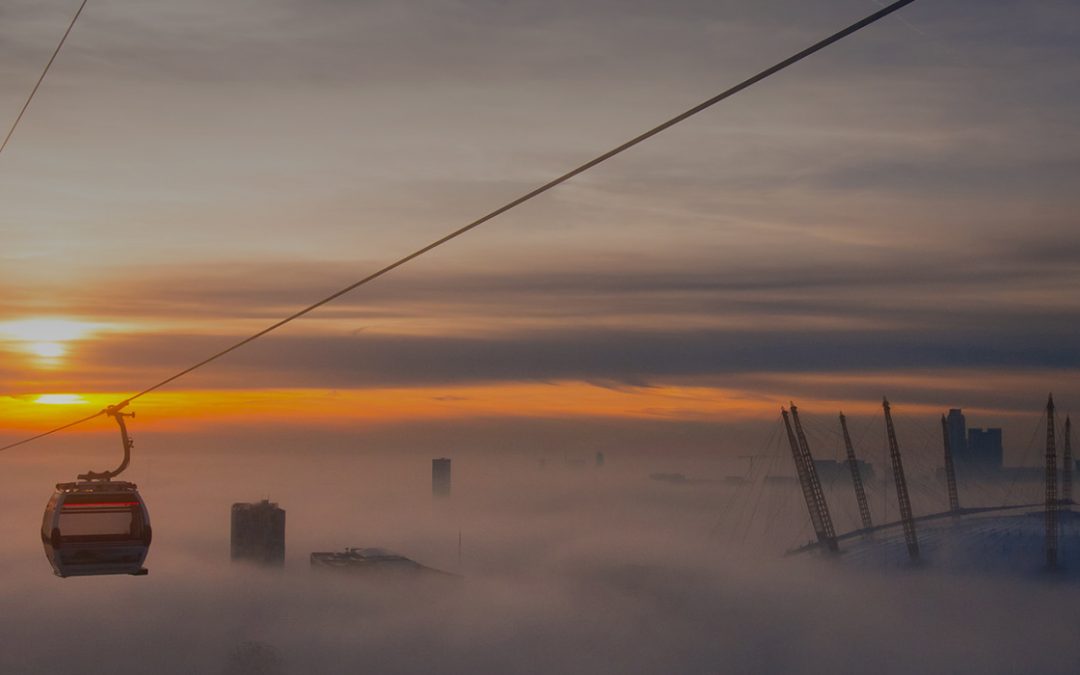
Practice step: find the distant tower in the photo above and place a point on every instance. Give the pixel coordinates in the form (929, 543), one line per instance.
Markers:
(599, 459)
(440, 477)
(985, 449)
(258, 533)
(958, 435)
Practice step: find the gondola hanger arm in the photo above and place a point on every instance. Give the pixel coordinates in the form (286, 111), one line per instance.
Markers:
(114, 411)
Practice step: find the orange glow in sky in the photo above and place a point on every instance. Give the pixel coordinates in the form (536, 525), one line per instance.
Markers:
(725, 268)
(182, 409)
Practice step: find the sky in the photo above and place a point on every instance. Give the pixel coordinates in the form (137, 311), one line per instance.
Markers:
(891, 217)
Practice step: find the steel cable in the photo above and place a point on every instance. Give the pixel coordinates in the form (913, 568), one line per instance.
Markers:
(704, 105)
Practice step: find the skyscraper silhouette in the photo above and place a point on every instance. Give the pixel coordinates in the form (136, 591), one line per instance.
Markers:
(258, 533)
(958, 435)
(440, 477)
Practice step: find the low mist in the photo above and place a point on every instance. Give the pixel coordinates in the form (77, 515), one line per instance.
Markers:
(644, 564)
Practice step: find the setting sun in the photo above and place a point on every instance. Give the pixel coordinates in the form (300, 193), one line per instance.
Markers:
(45, 330)
(45, 338)
(60, 399)
(610, 337)
(48, 350)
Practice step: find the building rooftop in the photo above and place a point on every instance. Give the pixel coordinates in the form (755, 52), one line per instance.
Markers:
(371, 560)
(264, 504)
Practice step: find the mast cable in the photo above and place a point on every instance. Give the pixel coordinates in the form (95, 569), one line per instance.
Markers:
(704, 105)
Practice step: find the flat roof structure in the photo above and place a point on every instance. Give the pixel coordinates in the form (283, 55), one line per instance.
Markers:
(372, 561)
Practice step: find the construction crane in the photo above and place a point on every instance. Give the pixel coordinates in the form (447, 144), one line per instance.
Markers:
(856, 477)
(804, 468)
(906, 517)
(950, 469)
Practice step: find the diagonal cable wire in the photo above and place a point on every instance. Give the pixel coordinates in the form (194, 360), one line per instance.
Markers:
(704, 105)
(48, 65)
(55, 431)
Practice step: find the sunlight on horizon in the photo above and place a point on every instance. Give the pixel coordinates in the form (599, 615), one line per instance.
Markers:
(60, 399)
(46, 338)
(188, 409)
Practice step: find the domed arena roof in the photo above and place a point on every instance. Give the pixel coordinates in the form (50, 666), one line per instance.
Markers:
(1008, 540)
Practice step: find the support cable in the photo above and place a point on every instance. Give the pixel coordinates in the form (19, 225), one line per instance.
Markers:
(704, 105)
(1028, 452)
(33, 91)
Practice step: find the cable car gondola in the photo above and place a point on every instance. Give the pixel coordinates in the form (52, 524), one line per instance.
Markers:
(98, 525)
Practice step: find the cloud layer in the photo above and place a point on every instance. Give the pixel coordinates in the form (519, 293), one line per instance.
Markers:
(895, 214)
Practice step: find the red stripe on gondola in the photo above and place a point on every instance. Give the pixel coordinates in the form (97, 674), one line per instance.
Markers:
(86, 505)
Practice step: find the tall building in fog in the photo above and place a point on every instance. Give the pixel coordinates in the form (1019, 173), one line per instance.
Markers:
(440, 477)
(258, 533)
(985, 449)
(958, 435)
(979, 449)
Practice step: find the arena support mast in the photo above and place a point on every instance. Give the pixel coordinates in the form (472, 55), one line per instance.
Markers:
(856, 477)
(910, 537)
(811, 486)
(1051, 489)
(950, 468)
(1067, 465)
